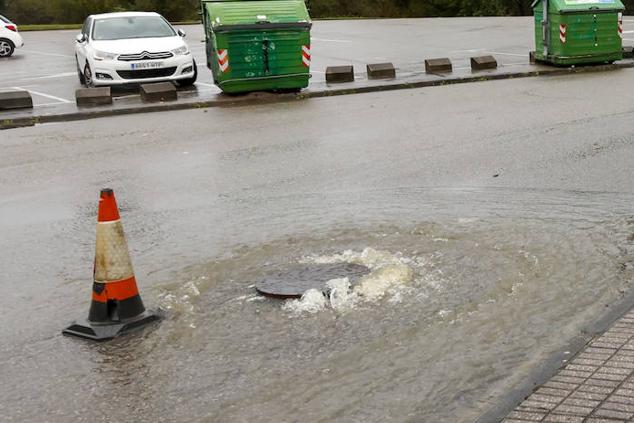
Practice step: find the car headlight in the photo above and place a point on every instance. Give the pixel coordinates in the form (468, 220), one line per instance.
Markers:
(181, 51)
(102, 55)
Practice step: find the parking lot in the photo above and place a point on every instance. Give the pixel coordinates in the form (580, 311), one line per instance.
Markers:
(46, 64)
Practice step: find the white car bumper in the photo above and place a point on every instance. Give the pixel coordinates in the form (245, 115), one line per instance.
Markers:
(117, 72)
(16, 39)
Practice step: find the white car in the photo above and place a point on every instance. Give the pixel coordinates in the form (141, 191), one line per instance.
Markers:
(10, 38)
(132, 48)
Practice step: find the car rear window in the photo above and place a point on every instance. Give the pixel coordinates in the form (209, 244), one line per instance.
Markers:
(132, 27)
(3, 19)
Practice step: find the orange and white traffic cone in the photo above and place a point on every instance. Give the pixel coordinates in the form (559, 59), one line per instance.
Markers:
(116, 306)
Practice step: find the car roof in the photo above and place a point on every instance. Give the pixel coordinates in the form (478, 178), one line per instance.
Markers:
(123, 15)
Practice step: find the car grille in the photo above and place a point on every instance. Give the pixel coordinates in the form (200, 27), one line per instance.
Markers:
(147, 73)
(145, 56)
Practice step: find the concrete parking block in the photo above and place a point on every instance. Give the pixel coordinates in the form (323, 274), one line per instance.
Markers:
(15, 100)
(86, 97)
(628, 52)
(381, 71)
(162, 91)
(442, 65)
(338, 74)
(483, 63)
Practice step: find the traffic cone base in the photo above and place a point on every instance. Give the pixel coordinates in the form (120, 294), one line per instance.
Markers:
(107, 331)
(116, 306)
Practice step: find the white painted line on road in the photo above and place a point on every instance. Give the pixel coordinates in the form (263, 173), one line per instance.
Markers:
(314, 71)
(13, 88)
(52, 97)
(58, 75)
(628, 32)
(507, 54)
(472, 50)
(50, 104)
(502, 65)
(46, 54)
(204, 84)
(325, 40)
(119, 97)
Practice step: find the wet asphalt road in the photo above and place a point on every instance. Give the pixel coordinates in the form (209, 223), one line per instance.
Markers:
(199, 185)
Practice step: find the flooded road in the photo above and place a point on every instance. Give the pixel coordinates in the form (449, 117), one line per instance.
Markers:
(491, 244)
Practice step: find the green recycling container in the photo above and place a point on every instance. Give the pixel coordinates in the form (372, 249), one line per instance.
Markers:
(257, 45)
(572, 32)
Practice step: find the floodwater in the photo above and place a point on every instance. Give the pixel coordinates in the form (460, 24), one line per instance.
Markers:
(470, 290)
(476, 279)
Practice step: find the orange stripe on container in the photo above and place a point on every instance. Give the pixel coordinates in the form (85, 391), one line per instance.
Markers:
(120, 290)
(108, 210)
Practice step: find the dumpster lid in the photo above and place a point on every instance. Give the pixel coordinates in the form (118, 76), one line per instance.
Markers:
(240, 13)
(582, 5)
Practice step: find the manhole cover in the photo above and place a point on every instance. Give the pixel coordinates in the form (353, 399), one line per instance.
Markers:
(293, 282)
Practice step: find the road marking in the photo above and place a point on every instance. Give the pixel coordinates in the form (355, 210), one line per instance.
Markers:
(628, 32)
(502, 65)
(46, 54)
(50, 104)
(58, 75)
(325, 40)
(507, 54)
(205, 84)
(119, 97)
(316, 71)
(13, 88)
(52, 97)
(473, 50)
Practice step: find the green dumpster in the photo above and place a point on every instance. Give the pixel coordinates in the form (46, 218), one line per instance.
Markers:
(257, 45)
(571, 32)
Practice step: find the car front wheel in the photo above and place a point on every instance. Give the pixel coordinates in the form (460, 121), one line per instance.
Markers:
(6, 48)
(88, 82)
(80, 74)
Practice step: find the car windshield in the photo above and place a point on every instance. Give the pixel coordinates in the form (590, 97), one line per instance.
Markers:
(132, 27)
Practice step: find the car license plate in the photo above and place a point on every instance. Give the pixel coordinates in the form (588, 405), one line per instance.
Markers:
(146, 65)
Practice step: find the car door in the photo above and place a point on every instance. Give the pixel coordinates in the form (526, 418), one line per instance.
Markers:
(80, 48)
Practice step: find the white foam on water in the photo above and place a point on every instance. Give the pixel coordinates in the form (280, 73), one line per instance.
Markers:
(390, 274)
(340, 296)
(383, 280)
(313, 301)
(181, 301)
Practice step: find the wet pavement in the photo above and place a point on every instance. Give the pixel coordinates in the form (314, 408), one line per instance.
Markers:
(46, 66)
(496, 219)
(597, 386)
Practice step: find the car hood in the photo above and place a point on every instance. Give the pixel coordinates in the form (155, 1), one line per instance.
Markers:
(139, 45)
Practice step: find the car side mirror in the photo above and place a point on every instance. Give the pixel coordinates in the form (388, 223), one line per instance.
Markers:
(80, 38)
(181, 33)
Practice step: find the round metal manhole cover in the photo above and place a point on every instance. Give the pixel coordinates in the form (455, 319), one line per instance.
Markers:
(292, 283)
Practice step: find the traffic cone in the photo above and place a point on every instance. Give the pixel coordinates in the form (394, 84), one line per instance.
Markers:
(116, 306)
